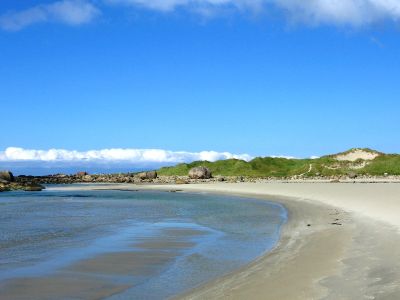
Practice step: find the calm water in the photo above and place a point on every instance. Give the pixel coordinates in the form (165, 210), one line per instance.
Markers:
(195, 237)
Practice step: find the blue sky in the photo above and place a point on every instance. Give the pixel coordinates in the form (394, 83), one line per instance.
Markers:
(276, 78)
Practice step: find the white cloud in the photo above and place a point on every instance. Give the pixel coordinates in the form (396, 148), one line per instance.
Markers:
(283, 156)
(337, 12)
(342, 12)
(354, 13)
(70, 12)
(170, 5)
(132, 156)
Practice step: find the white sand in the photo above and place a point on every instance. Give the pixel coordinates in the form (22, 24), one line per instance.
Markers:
(380, 201)
(349, 251)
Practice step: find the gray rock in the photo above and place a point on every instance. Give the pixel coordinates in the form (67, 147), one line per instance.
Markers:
(352, 175)
(148, 175)
(200, 173)
(33, 187)
(7, 176)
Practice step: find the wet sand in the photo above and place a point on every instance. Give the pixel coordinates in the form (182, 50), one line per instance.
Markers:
(342, 241)
(104, 275)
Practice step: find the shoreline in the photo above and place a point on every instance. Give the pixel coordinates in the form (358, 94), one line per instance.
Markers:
(263, 278)
(350, 249)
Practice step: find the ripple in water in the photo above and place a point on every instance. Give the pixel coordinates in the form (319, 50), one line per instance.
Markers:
(124, 245)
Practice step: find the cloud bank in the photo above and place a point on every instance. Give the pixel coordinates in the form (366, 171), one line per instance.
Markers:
(355, 13)
(130, 156)
(69, 12)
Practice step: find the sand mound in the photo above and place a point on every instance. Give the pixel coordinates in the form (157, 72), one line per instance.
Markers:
(356, 154)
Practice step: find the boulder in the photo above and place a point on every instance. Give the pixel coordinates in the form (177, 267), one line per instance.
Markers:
(87, 178)
(7, 176)
(148, 175)
(33, 187)
(200, 173)
(352, 175)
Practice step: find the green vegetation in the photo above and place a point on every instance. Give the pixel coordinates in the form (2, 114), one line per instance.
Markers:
(281, 167)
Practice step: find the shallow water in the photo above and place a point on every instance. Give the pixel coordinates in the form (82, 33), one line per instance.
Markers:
(141, 245)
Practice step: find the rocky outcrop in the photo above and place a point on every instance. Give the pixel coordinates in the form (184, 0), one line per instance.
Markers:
(15, 186)
(148, 175)
(33, 187)
(8, 183)
(200, 173)
(6, 176)
(197, 176)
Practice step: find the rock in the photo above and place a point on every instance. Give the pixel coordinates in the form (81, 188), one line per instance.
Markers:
(4, 187)
(181, 181)
(7, 176)
(24, 186)
(33, 187)
(87, 178)
(148, 175)
(200, 173)
(352, 175)
(3, 181)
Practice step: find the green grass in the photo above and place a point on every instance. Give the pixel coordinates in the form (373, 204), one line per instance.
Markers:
(281, 167)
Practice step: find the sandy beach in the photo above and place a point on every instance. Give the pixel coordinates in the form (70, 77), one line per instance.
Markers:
(342, 241)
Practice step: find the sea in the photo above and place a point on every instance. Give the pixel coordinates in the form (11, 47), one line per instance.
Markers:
(116, 244)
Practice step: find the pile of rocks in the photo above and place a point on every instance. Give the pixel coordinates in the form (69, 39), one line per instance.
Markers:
(8, 183)
(195, 175)
(84, 177)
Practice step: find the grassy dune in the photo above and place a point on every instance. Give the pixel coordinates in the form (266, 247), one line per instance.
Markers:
(281, 167)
